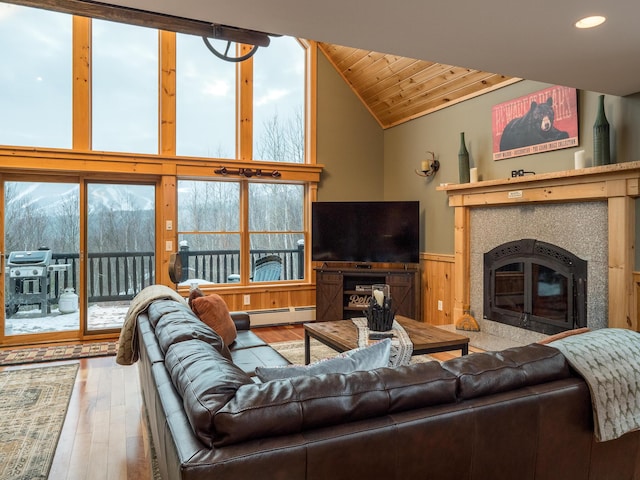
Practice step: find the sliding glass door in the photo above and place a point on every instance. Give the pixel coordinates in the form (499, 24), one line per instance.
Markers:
(41, 248)
(75, 254)
(120, 250)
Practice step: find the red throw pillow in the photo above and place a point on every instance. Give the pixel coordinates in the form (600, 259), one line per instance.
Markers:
(213, 311)
(195, 293)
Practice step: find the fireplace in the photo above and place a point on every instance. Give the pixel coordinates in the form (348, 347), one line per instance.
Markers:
(535, 285)
(590, 211)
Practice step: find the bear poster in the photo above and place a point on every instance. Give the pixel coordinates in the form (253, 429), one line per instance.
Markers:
(540, 122)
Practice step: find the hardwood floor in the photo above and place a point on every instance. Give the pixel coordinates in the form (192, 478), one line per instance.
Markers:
(104, 434)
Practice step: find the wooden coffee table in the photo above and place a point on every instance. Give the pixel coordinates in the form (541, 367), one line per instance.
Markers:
(342, 335)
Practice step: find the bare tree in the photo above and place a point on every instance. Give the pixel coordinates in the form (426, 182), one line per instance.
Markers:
(66, 225)
(282, 141)
(25, 222)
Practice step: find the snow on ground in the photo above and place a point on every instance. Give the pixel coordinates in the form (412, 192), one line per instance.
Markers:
(101, 316)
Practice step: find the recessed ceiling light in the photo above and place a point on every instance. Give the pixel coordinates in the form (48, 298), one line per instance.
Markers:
(590, 22)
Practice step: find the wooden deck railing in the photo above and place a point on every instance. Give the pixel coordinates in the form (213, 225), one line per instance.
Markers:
(114, 276)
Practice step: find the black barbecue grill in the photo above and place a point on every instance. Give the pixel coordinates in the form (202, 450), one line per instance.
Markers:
(28, 279)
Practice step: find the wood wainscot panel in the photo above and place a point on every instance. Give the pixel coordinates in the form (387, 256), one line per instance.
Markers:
(266, 297)
(438, 274)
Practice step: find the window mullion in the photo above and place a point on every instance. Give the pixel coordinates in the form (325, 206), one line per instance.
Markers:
(167, 93)
(245, 242)
(81, 78)
(244, 109)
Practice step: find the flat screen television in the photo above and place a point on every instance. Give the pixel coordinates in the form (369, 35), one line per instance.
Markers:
(365, 232)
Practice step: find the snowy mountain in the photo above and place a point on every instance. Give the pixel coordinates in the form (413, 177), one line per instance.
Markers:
(55, 197)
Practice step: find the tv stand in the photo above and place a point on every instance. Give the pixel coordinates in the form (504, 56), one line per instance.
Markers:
(343, 292)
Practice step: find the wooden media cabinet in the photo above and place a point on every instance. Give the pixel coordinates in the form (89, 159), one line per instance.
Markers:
(344, 292)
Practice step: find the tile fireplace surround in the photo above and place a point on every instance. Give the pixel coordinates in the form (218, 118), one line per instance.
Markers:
(590, 212)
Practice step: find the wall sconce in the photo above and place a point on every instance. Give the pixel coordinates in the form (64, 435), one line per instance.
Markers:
(429, 167)
(246, 172)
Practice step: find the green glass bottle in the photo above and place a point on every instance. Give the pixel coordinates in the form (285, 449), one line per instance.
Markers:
(463, 161)
(601, 149)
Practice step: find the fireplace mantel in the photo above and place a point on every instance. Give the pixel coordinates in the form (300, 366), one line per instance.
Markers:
(617, 184)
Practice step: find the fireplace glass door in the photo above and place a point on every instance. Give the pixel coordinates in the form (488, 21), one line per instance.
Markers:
(532, 290)
(536, 286)
(549, 293)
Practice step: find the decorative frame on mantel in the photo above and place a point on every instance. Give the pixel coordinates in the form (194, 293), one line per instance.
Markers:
(618, 184)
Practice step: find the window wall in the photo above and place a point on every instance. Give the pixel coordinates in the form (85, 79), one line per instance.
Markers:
(111, 103)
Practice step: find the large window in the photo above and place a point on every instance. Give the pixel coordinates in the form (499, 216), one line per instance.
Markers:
(205, 101)
(276, 227)
(210, 231)
(35, 78)
(278, 101)
(125, 88)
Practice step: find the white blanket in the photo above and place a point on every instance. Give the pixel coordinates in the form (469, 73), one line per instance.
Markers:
(401, 344)
(128, 342)
(609, 361)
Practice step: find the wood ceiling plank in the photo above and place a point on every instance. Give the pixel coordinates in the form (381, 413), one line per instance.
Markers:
(373, 70)
(397, 89)
(418, 98)
(398, 73)
(385, 74)
(364, 62)
(344, 58)
(341, 57)
(412, 78)
(450, 97)
(423, 85)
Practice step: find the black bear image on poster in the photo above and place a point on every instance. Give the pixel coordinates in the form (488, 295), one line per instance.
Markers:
(540, 122)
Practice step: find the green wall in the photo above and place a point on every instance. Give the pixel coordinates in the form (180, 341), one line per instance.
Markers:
(350, 142)
(364, 162)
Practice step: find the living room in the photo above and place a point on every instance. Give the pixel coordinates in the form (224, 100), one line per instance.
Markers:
(352, 145)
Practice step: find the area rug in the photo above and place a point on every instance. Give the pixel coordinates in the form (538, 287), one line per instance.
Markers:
(18, 356)
(33, 406)
(294, 352)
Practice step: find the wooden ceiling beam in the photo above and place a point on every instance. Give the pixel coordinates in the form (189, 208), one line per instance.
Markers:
(142, 18)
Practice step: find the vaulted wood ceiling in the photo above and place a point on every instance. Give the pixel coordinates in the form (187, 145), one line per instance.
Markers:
(397, 89)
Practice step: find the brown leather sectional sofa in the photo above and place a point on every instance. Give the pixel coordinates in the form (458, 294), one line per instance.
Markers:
(516, 414)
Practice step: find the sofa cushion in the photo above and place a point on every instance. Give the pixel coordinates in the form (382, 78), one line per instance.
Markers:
(247, 359)
(367, 358)
(213, 311)
(292, 405)
(247, 339)
(179, 324)
(205, 380)
(158, 308)
(493, 372)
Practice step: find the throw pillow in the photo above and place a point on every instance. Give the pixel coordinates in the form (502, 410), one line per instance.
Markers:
(360, 359)
(194, 293)
(213, 311)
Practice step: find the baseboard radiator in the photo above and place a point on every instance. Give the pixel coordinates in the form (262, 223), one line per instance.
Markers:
(282, 316)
